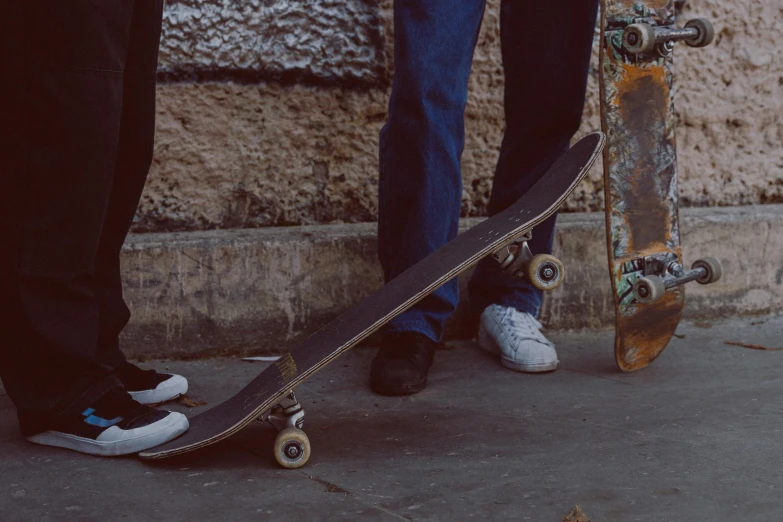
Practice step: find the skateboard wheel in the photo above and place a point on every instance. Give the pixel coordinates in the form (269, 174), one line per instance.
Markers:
(545, 272)
(649, 289)
(639, 38)
(292, 448)
(705, 32)
(713, 268)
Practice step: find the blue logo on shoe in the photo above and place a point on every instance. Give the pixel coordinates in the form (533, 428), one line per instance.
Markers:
(94, 420)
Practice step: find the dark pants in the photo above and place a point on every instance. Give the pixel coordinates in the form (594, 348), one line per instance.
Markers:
(77, 138)
(546, 55)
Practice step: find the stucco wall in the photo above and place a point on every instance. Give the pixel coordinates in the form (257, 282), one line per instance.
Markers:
(269, 112)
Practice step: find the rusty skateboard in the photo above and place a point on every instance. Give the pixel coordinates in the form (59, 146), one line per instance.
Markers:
(640, 174)
(270, 396)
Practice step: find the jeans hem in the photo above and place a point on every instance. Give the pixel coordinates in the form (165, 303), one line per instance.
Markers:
(416, 327)
(523, 305)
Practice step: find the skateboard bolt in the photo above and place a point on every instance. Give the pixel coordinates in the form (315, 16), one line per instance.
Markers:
(292, 450)
(644, 292)
(632, 39)
(548, 273)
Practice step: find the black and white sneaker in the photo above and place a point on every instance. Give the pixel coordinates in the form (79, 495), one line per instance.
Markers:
(149, 386)
(113, 425)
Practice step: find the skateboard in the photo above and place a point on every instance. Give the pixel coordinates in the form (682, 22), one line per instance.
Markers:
(640, 174)
(270, 396)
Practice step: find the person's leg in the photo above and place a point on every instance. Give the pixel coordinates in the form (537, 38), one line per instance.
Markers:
(70, 90)
(420, 180)
(12, 160)
(134, 158)
(420, 146)
(546, 58)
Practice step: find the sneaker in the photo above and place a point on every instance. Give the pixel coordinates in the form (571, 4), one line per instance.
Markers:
(402, 363)
(114, 425)
(149, 386)
(517, 337)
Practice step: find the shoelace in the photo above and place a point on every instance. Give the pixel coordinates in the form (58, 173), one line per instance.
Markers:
(524, 326)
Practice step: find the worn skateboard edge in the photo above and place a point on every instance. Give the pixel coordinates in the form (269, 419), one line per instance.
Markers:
(640, 336)
(264, 406)
(655, 326)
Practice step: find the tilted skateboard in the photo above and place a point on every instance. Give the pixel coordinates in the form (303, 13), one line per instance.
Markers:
(640, 175)
(504, 237)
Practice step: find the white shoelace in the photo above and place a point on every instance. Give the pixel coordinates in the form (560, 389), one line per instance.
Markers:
(524, 326)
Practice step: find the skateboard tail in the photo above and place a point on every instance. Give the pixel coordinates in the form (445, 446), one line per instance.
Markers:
(642, 337)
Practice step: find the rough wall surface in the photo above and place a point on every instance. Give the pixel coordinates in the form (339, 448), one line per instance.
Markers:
(285, 131)
(329, 40)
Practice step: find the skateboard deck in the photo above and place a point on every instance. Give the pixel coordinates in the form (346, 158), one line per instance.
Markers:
(273, 387)
(640, 174)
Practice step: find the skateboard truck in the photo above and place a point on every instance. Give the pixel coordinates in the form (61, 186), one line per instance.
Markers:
(662, 274)
(292, 447)
(544, 271)
(643, 35)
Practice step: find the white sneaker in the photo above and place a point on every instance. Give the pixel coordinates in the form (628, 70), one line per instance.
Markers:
(516, 336)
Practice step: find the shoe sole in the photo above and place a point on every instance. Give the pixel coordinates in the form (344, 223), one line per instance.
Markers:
(173, 428)
(488, 344)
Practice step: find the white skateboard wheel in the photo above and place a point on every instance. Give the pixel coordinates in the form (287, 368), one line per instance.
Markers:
(649, 289)
(545, 272)
(292, 448)
(713, 268)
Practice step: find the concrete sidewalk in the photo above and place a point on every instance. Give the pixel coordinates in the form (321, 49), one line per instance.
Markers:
(695, 437)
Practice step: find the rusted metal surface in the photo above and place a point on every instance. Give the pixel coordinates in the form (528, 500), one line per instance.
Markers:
(640, 180)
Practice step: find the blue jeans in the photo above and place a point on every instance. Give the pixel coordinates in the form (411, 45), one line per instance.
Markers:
(546, 56)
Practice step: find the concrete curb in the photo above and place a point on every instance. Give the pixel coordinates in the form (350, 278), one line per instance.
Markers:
(258, 290)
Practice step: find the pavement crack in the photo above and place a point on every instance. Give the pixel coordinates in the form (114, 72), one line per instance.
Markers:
(330, 488)
(334, 488)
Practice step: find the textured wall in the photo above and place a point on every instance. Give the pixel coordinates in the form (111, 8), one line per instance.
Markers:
(270, 110)
(329, 40)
